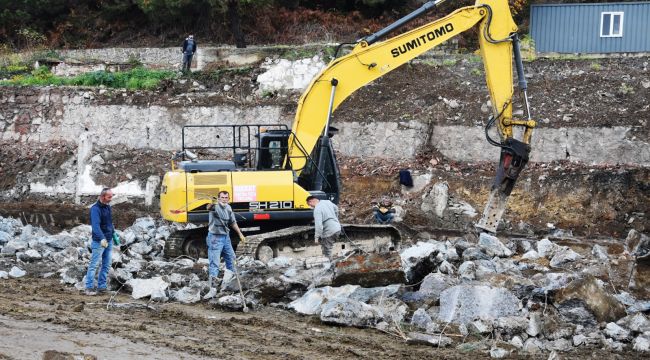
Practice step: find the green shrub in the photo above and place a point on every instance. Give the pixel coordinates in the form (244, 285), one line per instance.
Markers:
(138, 78)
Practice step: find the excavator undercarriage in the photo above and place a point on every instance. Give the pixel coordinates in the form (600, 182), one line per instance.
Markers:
(293, 242)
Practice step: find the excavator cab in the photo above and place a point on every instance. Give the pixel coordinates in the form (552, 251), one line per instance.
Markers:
(272, 148)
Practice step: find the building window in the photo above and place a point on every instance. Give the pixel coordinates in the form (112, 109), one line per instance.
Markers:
(611, 24)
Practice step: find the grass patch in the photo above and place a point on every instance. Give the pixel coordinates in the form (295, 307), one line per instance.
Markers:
(449, 62)
(138, 78)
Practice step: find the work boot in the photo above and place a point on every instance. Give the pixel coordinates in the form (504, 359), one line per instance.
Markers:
(212, 293)
(90, 292)
(102, 291)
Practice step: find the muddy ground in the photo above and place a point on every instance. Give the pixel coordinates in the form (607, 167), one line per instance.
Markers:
(40, 314)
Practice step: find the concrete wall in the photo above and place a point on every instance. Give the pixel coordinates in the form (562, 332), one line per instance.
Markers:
(59, 114)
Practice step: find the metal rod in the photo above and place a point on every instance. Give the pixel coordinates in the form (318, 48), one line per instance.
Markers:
(334, 83)
(324, 142)
(371, 39)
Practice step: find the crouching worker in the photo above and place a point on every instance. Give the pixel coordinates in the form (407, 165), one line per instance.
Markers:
(101, 221)
(221, 219)
(384, 211)
(326, 224)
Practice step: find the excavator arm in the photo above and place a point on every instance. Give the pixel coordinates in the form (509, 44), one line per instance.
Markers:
(371, 59)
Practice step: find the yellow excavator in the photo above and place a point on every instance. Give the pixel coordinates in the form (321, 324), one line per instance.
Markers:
(272, 169)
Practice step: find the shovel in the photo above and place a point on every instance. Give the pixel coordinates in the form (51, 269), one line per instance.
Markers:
(243, 299)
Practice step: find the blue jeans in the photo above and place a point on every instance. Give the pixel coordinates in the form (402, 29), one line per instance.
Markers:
(219, 245)
(98, 252)
(386, 218)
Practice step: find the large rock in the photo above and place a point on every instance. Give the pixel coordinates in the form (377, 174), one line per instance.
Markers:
(312, 302)
(231, 302)
(188, 294)
(434, 284)
(10, 225)
(350, 312)
(637, 323)
(145, 287)
(30, 255)
(421, 319)
(642, 343)
(563, 256)
(546, 248)
(464, 303)
(616, 332)
(637, 244)
(143, 225)
(73, 274)
(420, 259)
(493, 246)
(141, 248)
(604, 306)
(17, 272)
(17, 244)
(5, 237)
(436, 200)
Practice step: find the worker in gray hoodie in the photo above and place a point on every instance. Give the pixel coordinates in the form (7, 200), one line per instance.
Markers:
(328, 227)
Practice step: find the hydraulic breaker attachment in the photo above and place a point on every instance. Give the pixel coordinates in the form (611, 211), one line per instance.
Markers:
(514, 157)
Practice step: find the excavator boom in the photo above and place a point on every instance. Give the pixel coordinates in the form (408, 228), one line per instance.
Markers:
(371, 59)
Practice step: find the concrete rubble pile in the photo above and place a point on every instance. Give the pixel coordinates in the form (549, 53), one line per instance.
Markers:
(502, 297)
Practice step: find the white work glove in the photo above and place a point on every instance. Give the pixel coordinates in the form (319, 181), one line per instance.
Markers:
(242, 238)
(104, 243)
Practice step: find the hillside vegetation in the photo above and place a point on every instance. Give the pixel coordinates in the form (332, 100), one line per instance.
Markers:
(29, 24)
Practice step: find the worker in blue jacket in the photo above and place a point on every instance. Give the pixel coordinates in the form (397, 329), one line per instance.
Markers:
(101, 220)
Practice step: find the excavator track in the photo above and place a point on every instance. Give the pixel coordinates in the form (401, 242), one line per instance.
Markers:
(298, 241)
(294, 242)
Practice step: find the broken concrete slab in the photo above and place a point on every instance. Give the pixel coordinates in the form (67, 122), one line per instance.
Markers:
(546, 248)
(492, 246)
(421, 319)
(600, 252)
(637, 323)
(464, 303)
(4, 275)
(312, 302)
(604, 306)
(187, 294)
(637, 244)
(370, 270)
(642, 343)
(562, 256)
(616, 332)
(434, 284)
(5, 237)
(29, 255)
(511, 325)
(17, 272)
(474, 253)
(73, 274)
(145, 287)
(576, 311)
(419, 260)
(417, 338)
(350, 312)
(230, 302)
(159, 295)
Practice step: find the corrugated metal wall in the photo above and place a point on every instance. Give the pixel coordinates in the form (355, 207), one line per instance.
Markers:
(575, 28)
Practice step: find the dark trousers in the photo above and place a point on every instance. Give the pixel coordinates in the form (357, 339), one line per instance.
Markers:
(187, 61)
(326, 244)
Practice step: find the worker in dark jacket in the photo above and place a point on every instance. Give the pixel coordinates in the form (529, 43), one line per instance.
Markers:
(101, 220)
(188, 50)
